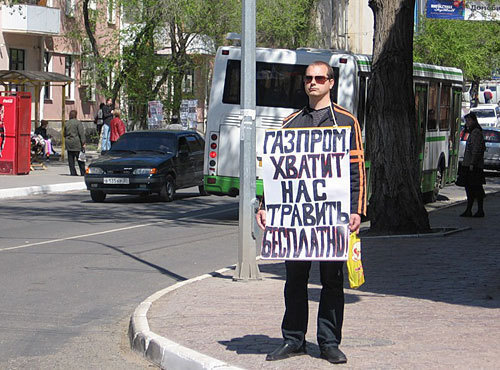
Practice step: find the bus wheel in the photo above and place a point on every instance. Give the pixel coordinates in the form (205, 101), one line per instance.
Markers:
(438, 184)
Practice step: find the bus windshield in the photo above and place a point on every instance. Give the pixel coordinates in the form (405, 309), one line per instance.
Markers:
(278, 85)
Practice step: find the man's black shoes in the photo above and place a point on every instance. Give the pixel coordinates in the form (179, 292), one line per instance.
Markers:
(286, 350)
(333, 355)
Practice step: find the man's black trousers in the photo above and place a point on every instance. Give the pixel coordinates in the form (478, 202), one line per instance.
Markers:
(331, 305)
(72, 157)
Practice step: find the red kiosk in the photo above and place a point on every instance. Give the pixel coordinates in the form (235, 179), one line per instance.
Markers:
(15, 128)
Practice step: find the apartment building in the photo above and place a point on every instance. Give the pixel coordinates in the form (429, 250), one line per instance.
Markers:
(43, 36)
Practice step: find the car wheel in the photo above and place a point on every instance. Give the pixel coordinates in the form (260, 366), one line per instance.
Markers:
(168, 189)
(202, 190)
(97, 196)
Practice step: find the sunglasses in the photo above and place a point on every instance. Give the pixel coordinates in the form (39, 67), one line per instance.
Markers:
(319, 79)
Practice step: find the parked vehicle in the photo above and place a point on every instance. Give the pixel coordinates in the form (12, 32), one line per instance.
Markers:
(492, 152)
(148, 162)
(488, 115)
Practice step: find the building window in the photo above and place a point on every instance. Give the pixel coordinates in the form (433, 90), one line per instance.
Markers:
(69, 71)
(188, 82)
(16, 59)
(47, 66)
(70, 8)
(111, 11)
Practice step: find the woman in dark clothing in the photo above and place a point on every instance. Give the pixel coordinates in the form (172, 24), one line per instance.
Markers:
(472, 166)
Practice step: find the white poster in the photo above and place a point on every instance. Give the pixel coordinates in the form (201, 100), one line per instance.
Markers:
(306, 176)
(155, 114)
(482, 11)
(188, 115)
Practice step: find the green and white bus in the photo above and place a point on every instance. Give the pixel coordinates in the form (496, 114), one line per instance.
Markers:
(280, 92)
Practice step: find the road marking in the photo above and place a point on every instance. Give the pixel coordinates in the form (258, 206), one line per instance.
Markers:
(108, 231)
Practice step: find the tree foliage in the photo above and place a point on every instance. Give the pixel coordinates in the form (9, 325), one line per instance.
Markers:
(160, 38)
(285, 23)
(472, 46)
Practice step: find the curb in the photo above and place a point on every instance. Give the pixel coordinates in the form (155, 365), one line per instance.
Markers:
(162, 351)
(41, 189)
(170, 355)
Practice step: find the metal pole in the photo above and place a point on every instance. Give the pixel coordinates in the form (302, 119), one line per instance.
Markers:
(63, 120)
(246, 267)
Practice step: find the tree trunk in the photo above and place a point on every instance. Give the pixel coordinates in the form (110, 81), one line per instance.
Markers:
(396, 205)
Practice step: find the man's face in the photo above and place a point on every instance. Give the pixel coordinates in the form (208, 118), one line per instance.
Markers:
(108, 102)
(315, 87)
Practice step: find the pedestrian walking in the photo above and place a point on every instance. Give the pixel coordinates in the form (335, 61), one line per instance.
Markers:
(98, 120)
(107, 116)
(488, 95)
(472, 166)
(74, 136)
(117, 127)
(321, 112)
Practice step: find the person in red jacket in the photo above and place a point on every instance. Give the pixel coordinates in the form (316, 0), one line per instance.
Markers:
(117, 127)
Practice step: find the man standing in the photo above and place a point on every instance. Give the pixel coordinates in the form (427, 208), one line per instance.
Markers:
(74, 135)
(321, 112)
(107, 116)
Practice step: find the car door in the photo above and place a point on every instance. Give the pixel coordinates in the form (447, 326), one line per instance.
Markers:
(196, 147)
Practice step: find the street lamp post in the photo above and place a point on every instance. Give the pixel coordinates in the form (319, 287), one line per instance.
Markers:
(246, 267)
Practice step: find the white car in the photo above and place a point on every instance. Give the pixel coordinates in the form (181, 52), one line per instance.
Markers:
(488, 115)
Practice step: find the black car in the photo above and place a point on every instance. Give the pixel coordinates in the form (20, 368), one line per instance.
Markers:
(147, 162)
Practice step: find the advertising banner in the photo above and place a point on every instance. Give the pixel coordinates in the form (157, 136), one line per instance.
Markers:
(306, 176)
(482, 11)
(445, 9)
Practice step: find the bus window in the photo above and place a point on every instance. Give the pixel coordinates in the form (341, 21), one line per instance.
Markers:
(278, 85)
(444, 108)
(432, 109)
(362, 101)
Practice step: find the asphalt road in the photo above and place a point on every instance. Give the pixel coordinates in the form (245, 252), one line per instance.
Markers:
(72, 271)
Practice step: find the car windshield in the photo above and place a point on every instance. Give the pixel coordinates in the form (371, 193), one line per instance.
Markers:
(162, 144)
(491, 136)
(484, 113)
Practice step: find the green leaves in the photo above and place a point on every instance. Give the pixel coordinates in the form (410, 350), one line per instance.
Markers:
(472, 46)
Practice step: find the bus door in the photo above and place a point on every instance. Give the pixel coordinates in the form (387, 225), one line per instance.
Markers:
(456, 110)
(421, 118)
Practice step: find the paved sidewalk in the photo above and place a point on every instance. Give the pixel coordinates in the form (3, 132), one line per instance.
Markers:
(430, 302)
(54, 178)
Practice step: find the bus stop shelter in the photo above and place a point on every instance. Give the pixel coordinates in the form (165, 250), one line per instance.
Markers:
(37, 80)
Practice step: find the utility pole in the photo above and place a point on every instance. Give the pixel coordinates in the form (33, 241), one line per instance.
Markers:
(247, 268)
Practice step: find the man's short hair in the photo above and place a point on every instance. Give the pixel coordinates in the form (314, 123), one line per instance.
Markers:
(44, 122)
(72, 114)
(329, 68)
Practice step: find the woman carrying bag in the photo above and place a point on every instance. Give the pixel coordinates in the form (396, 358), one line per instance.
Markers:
(471, 170)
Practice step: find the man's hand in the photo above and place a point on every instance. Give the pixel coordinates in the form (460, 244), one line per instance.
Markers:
(261, 219)
(354, 222)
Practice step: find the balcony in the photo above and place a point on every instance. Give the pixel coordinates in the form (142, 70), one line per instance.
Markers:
(31, 19)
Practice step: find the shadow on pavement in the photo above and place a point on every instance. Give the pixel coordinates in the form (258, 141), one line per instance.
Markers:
(457, 269)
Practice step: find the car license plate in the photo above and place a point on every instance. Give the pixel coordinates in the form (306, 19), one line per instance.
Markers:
(116, 180)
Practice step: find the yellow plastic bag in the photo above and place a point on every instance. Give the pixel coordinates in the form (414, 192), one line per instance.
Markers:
(354, 266)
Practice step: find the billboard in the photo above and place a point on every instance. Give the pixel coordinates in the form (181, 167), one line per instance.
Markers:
(445, 9)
